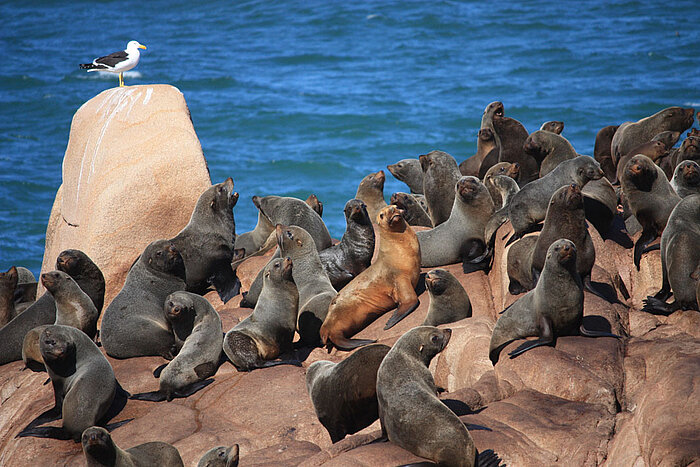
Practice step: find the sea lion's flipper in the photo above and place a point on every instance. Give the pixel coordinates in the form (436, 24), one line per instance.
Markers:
(226, 282)
(515, 288)
(152, 396)
(546, 337)
(50, 415)
(656, 306)
(596, 291)
(52, 432)
(513, 238)
(505, 309)
(191, 389)
(270, 363)
(621, 287)
(346, 344)
(48, 380)
(592, 333)
(654, 247)
(481, 262)
(403, 310)
(113, 426)
(641, 244)
(488, 458)
(159, 370)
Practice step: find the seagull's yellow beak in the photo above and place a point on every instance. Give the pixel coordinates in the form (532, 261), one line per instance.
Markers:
(141, 46)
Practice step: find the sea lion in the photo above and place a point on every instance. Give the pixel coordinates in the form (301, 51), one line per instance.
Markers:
(553, 127)
(601, 150)
(133, 325)
(548, 149)
(25, 292)
(8, 285)
(440, 173)
(411, 415)
(484, 145)
(315, 204)
(488, 144)
(461, 237)
(388, 283)
(553, 308)
(413, 211)
(680, 258)
(269, 330)
(529, 205)
(449, 301)
(90, 279)
(508, 169)
(371, 192)
(512, 136)
(251, 242)
(199, 337)
(650, 198)
(669, 138)
(220, 456)
(686, 179)
(632, 134)
(344, 394)
(689, 150)
(408, 171)
(84, 385)
(207, 242)
(101, 451)
(345, 260)
(315, 289)
(600, 204)
(654, 150)
(507, 188)
(73, 308)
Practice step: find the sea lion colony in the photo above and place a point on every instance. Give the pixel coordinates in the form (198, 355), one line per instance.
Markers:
(323, 294)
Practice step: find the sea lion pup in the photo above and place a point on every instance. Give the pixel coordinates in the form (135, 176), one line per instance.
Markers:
(220, 456)
(315, 204)
(461, 237)
(654, 150)
(650, 198)
(411, 415)
(601, 150)
(133, 325)
(269, 330)
(101, 451)
(8, 285)
(207, 242)
(252, 241)
(686, 179)
(680, 257)
(553, 127)
(344, 394)
(502, 168)
(345, 260)
(553, 308)
(409, 172)
(90, 279)
(73, 308)
(371, 192)
(440, 173)
(315, 289)
(388, 283)
(548, 149)
(413, 211)
(197, 329)
(485, 143)
(631, 134)
(84, 385)
(529, 205)
(449, 301)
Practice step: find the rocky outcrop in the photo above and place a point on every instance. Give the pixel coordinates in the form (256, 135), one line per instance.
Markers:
(123, 183)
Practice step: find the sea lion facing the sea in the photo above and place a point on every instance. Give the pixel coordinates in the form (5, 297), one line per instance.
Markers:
(371, 192)
(409, 172)
(440, 173)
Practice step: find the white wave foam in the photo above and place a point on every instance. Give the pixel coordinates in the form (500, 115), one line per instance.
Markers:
(692, 104)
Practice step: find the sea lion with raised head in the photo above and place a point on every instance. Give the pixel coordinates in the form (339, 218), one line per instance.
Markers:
(315, 204)
(85, 389)
(85, 273)
(488, 144)
(601, 150)
(686, 179)
(409, 172)
(388, 283)
(553, 308)
(413, 211)
(485, 143)
(689, 151)
(449, 301)
(207, 242)
(344, 394)
(220, 456)
(548, 149)
(371, 192)
(680, 258)
(440, 173)
(133, 325)
(508, 169)
(650, 198)
(512, 136)
(268, 332)
(345, 260)
(199, 338)
(553, 127)
(654, 150)
(101, 451)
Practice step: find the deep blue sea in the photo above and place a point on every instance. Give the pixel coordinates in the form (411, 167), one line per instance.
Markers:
(293, 98)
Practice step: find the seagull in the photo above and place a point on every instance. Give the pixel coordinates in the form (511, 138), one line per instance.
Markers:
(118, 62)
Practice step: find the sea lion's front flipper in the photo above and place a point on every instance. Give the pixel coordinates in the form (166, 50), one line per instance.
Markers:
(488, 458)
(404, 309)
(588, 285)
(226, 282)
(657, 306)
(54, 413)
(343, 343)
(656, 246)
(591, 333)
(641, 244)
(159, 370)
(153, 396)
(270, 363)
(544, 326)
(191, 389)
(52, 432)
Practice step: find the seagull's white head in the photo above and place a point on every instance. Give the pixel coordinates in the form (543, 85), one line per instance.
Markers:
(133, 45)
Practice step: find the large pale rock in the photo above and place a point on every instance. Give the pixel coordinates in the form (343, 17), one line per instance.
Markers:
(132, 173)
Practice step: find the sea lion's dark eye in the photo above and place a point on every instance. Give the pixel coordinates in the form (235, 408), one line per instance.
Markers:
(289, 234)
(159, 253)
(434, 339)
(381, 216)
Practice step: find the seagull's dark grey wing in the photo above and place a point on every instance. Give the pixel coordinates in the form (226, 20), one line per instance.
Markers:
(112, 59)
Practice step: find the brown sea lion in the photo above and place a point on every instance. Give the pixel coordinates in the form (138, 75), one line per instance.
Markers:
(680, 258)
(484, 145)
(409, 172)
(371, 192)
(413, 211)
(553, 127)
(602, 152)
(553, 308)
(8, 285)
(689, 150)
(512, 136)
(315, 204)
(440, 173)
(101, 451)
(548, 149)
(488, 145)
(654, 150)
(508, 169)
(220, 456)
(650, 198)
(344, 394)
(449, 301)
(686, 179)
(632, 134)
(388, 283)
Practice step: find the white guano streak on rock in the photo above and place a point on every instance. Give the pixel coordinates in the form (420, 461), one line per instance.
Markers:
(149, 91)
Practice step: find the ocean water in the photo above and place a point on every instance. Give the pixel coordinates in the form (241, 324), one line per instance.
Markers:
(293, 98)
